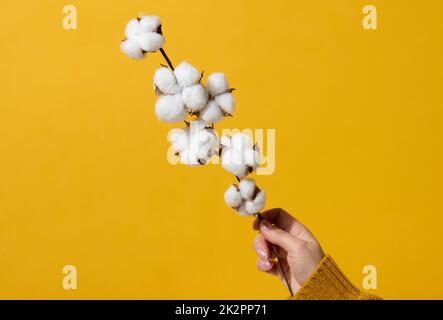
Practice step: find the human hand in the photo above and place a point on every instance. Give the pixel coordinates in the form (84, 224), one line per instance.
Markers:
(298, 251)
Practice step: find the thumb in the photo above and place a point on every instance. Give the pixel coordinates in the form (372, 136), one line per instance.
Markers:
(278, 236)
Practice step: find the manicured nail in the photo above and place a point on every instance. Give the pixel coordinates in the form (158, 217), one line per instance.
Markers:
(267, 264)
(265, 224)
(262, 254)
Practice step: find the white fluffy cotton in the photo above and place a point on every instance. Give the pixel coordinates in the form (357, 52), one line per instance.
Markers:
(233, 161)
(241, 141)
(151, 41)
(195, 97)
(217, 84)
(170, 108)
(189, 157)
(207, 144)
(136, 27)
(253, 157)
(132, 49)
(247, 188)
(241, 157)
(181, 92)
(196, 143)
(222, 102)
(232, 196)
(184, 80)
(149, 23)
(164, 80)
(186, 74)
(241, 210)
(142, 36)
(226, 102)
(183, 83)
(178, 139)
(257, 204)
(132, 28)
(225, 141)
(211, 112)
(245, 198)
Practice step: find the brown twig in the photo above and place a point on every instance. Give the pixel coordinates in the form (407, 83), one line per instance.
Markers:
(167, 59)
(259, 216)
(160, 31)
(280, 267)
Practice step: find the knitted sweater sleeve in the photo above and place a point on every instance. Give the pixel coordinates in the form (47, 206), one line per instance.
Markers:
(329, 283)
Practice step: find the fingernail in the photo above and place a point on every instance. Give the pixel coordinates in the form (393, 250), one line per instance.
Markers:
(265, 224)
(267, 264)
(262, 254)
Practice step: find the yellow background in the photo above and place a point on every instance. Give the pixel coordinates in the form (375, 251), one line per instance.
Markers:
(83, 173)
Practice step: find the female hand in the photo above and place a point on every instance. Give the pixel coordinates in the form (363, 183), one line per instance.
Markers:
(298, 251)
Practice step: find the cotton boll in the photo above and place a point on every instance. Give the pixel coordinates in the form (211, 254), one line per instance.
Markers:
(132, 28)
(195, 97)
(232, 197)
(207, 136)
(198, 125)
(217, 84)
(252, 158)
(211, 112)
(189, 157)
(256, 205)
(247, 188)
(225, 141)
(226, 102)
(164, 80)
(131, 49)
(233, 162)
(150, 41)
(260, 198)
(170, 108)
(241, 210)
(197, 144)
(149, 23)
(241, 156)
(186, 74)
(178, 139)
(207, 144)
(142, 32)
(241, 141)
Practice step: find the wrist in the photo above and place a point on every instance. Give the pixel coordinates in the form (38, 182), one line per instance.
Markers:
(327, 282)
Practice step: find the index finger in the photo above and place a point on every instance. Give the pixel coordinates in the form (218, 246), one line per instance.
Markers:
(277, 216)
(283, 220)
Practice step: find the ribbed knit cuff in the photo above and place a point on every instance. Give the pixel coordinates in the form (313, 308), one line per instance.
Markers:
(329, 283)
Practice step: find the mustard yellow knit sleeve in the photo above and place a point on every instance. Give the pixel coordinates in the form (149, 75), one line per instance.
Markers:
(329, 283)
